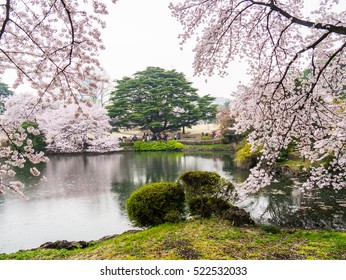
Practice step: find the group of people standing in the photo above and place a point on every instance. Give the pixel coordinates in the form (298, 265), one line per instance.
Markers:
(213, 134)
(158, 136)
(152, 137)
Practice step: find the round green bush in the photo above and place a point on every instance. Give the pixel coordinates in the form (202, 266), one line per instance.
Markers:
(207, 193)
(156, 203)
(208, 206)
(171, 145)
(206, 183)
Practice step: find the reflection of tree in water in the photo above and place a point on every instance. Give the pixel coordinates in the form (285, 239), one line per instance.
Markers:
(289, 207)
(148, 167)
(282, 204)
(318, 209)
(144, 168)
(24, 175)
(238, 175)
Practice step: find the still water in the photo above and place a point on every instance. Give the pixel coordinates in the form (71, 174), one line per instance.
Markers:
(84, 197)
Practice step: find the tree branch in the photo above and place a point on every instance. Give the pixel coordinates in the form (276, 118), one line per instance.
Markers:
(330, 27)
(312, 46)
(68, 12)
(7, 18)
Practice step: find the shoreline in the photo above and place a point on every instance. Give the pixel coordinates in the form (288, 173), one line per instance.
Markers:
(199, 239)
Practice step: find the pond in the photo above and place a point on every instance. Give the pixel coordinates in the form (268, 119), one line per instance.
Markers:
(84, 197)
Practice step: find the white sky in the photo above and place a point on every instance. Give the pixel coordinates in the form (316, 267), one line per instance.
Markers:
(142, 33)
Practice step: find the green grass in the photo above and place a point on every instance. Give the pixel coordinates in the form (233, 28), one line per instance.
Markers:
(205, 239)
(129, 146)
(171, 145)
(295, 163)
(207, 147)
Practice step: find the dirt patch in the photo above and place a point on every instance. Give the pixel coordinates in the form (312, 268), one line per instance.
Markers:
(183, 247)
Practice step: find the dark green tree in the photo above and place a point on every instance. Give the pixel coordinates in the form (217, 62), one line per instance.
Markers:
(158, 100)
(5, 92)
(38, 142)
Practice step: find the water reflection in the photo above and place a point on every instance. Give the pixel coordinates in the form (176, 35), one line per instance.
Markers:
(284, 204)
(85, 195)
(148, 167)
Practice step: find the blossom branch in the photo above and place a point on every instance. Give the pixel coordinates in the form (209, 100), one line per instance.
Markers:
(329, 27)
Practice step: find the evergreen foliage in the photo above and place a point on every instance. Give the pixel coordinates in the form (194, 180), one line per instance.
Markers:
(5, 92)
(158, 100)
(156, 203)
(207, 193)
(37, 140)
(207, 206)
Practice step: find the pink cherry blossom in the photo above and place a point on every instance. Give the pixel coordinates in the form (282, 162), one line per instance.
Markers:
(53, 46)
(297, 64)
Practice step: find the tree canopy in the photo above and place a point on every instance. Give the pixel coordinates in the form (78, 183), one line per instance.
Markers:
(52, 46)
(279, 42)
(158, 100)
(68, 128)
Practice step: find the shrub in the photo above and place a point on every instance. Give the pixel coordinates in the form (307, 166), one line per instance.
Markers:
(244, 158)
(156, 203)
(171, 145)
(225, 140)
(207, 206)
(207, 138)
(206, 183)
(207, 193)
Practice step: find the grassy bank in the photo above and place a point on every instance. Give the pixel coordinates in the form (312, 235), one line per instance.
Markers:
(205, 239)
(207, 147)
(129, 146)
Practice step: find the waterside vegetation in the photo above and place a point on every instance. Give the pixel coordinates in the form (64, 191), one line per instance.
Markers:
(203, 239)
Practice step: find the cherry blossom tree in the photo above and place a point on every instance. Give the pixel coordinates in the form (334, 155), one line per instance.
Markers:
(77, 128)
(101, 89)
(52, 45)
(297, 68)
(22, 107)
(16, 149)
(68, 128)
